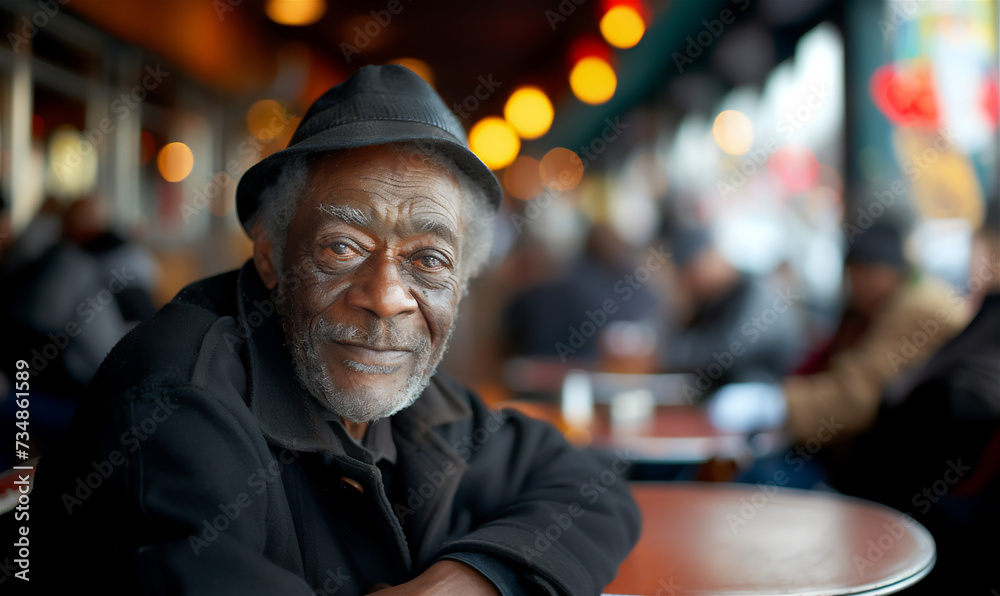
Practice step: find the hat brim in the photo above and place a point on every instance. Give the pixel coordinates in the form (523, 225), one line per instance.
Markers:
(362, 134)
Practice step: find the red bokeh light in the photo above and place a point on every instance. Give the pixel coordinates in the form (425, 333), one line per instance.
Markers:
(586, 46)
(638, 5)
(906, 95)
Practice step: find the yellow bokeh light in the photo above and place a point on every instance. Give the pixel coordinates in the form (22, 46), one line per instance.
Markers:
(295, 13)
(175, 162)
(622, 26)
(495, 141)
(529, 111)
(733, 132)
(265, 119)
(561, 169)
(421, 68)
(72, 170)
(593, 80)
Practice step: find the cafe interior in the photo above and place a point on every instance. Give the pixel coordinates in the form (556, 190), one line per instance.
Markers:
(747, 249)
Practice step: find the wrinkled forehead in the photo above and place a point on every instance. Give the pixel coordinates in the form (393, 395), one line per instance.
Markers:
(399, 159)
(381, 184)
(396, 175)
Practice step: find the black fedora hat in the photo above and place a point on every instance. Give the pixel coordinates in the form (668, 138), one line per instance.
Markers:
(375, 106)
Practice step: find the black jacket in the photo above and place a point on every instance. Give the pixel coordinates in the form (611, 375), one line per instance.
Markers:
(199, 465)
(934, 453)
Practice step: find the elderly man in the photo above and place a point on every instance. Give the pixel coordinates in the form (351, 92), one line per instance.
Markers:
(281, 430)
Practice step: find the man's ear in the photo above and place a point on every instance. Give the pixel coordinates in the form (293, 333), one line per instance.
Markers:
(263, 256)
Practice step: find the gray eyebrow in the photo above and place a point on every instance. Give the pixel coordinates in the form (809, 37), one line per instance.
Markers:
(357, 217)
(350, 215)
(435, 226)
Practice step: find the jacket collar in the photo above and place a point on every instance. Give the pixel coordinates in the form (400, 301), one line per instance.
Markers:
(289, 416)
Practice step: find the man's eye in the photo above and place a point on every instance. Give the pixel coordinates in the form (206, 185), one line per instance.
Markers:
(430, 262)
(341, 248)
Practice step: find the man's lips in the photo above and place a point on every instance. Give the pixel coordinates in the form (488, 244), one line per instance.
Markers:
(372, 355)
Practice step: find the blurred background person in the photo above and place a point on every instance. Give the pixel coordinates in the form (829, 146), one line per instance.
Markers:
(934, 449)
(69, 306)
(42, 232)
(564, 317)
(787, 131)
(5, 230)
(894, 319)
(742, 327)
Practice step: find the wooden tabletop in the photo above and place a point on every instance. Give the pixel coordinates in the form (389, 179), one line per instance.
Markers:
(728, 539)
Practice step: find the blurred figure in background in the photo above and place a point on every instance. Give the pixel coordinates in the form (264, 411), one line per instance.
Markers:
(87, 225)
(5, 232)
(894, 320)
(69, 305)
(566, 318)
(742, 327)
(42, 233)
(934, 450)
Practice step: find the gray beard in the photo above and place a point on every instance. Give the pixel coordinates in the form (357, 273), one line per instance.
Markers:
(358, 405)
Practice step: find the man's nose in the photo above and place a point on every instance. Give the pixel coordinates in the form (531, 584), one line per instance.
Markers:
(380, 289)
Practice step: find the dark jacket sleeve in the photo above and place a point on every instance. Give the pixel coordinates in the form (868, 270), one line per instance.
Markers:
(205, 525)
(563, 517)
(157, 495)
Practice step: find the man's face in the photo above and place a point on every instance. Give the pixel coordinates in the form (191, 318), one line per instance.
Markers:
(871, 285)
(372, 279)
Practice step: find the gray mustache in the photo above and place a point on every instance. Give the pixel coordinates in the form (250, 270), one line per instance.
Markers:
(379, 335)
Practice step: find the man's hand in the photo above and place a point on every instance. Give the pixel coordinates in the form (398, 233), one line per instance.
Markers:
(444, 578)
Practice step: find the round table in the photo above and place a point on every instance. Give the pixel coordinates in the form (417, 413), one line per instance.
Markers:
(728, 539)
